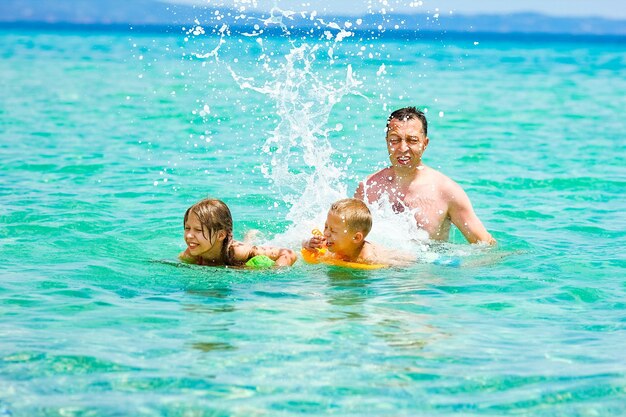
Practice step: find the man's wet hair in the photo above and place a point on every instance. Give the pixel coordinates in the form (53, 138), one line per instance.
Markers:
(408, 113)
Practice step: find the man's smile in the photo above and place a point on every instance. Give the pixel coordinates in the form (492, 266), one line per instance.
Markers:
(403, 160)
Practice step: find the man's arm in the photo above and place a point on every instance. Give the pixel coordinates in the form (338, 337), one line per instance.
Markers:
(465, 219)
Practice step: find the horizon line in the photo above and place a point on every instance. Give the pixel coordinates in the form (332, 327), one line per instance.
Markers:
(178, 28)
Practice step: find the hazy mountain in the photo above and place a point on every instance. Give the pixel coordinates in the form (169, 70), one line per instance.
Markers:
(87, 11)
(156, 12)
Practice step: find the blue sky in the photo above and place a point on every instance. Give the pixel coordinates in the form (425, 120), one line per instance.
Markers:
(612, 9)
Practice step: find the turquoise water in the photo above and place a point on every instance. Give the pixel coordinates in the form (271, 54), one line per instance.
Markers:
(106, 139)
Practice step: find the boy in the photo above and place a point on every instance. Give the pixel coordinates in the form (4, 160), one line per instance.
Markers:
(347, 224)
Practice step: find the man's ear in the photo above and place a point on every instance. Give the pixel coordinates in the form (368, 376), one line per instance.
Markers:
(358, 237)
(426, 142)
(221, 235)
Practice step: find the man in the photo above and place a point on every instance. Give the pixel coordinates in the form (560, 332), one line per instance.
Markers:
(435, 199)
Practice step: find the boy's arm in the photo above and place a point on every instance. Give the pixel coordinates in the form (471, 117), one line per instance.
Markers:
(380, 255)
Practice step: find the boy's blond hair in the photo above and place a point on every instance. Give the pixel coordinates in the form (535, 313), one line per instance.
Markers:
(355, 214)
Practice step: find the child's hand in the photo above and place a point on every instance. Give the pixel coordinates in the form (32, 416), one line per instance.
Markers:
(316, 242)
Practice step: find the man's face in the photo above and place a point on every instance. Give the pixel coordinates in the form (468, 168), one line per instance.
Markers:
(406, 143)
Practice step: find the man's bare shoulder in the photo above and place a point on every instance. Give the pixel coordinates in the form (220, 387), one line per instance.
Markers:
(449, 189)
(378, 177)
(444, 183)
(373, 185)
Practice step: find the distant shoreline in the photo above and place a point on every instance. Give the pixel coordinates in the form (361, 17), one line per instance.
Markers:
(397, 34)
(154, 15)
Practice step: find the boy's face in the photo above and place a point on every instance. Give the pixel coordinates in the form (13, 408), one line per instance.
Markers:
(338, 238)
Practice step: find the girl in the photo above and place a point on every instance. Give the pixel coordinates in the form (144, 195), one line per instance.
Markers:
(209, 237)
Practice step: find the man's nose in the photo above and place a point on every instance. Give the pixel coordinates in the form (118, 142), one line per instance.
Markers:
(402, 146)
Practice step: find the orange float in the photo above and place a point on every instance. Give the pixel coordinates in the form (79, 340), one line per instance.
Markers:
(319, 256)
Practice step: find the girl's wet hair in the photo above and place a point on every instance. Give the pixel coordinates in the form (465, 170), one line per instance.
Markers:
(214, 215)
(355, 213)
(408, 113)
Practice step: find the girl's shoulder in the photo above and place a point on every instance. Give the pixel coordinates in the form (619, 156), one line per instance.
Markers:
(187, 257)
(242, 252)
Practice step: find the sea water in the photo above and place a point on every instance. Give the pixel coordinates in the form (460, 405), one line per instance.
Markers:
(107, 137)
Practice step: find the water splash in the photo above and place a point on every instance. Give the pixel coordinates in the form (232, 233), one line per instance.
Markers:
(303, 167)
(301, 163)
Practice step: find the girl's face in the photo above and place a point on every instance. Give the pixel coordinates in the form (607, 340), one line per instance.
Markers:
(200, 242)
